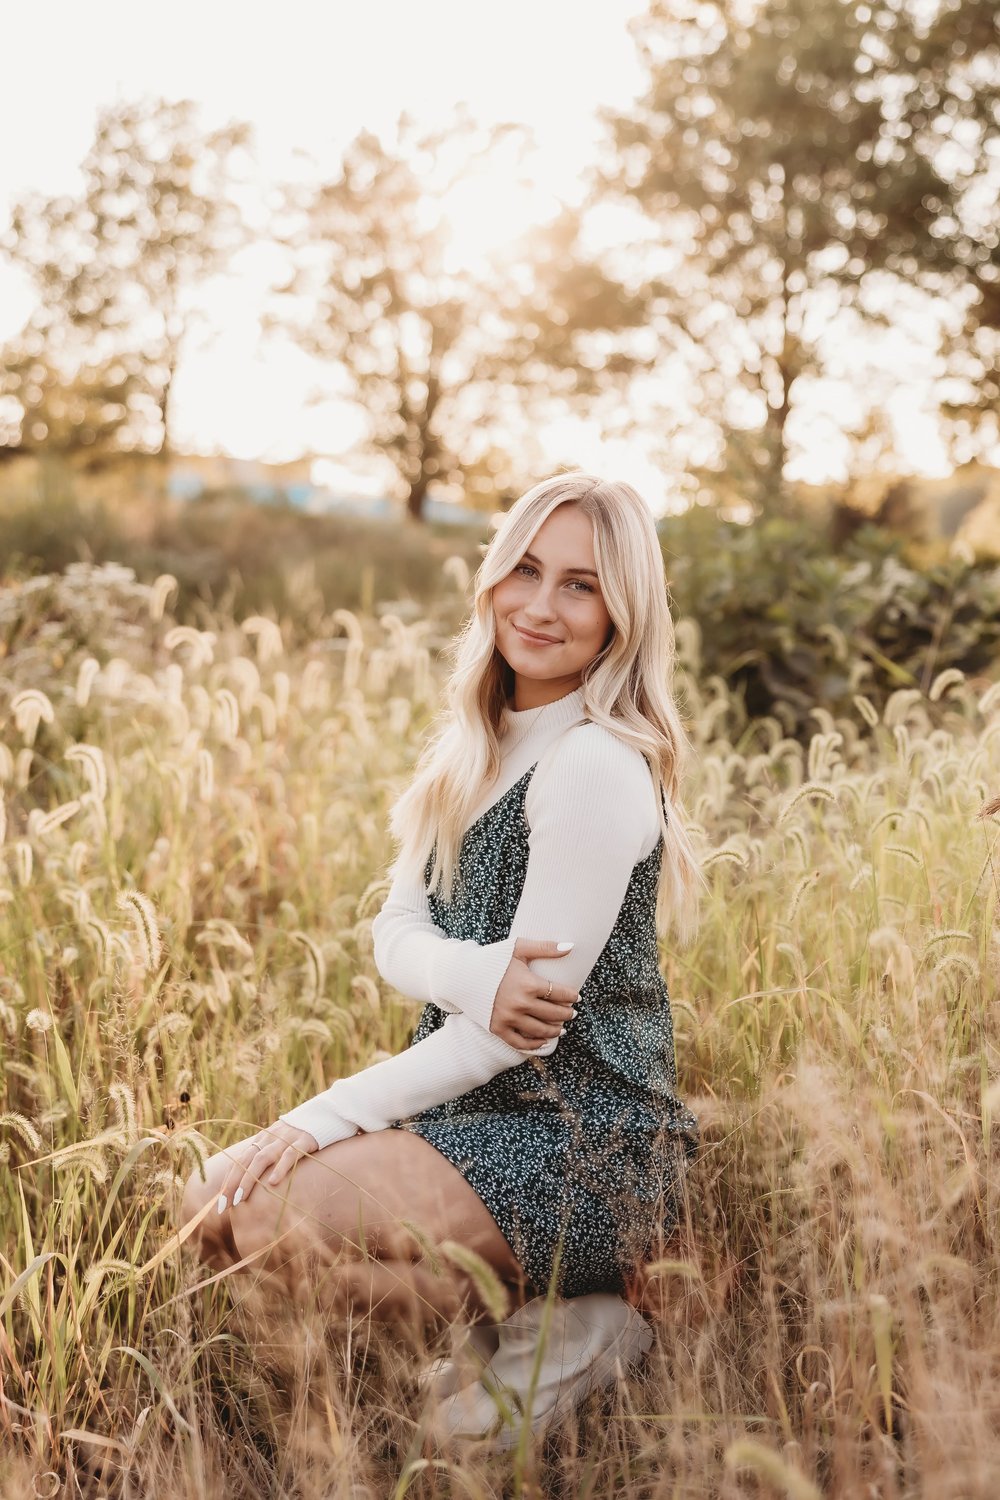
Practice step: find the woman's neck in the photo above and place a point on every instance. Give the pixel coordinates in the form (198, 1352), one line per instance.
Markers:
(527, 723)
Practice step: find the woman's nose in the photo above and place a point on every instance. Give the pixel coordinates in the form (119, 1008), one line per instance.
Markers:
(542, 607)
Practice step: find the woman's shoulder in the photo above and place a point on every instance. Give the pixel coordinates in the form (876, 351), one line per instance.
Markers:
(595, 745)
(592, 761)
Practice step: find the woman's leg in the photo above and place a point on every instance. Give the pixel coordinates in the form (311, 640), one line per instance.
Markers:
(351, 1200)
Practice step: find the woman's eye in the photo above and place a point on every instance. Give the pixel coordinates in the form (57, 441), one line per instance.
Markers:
(527, 568)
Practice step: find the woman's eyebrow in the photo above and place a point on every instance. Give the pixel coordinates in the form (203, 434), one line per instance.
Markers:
(532, 558)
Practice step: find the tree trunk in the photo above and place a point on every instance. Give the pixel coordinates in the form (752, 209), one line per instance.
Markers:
(415, 499)
(777, 418)
(163, 452)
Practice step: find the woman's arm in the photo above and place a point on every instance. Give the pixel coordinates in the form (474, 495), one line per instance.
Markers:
(459, 1056)
(590, 819)
(421, 961)
(461, 975)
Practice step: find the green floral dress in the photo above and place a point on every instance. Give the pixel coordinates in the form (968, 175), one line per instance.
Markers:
(582, 1151)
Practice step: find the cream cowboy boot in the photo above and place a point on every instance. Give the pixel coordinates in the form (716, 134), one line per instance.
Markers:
(591, 1341)
(473, 1346)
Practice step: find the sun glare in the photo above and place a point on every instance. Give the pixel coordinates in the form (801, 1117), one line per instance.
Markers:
(484, 213)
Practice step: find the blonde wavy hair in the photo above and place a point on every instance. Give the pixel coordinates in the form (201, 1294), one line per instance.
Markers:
(627, 688)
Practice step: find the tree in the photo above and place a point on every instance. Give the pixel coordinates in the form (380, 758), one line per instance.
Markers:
(949, 76)
(62, 415)
(449, 362)
(780, 150)
(115, 268)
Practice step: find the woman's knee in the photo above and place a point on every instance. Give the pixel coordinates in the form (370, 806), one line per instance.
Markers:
(204, 1183)
(212, 1240)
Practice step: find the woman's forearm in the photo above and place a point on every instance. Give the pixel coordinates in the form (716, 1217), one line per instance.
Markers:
(459, 1056)
(422, 962)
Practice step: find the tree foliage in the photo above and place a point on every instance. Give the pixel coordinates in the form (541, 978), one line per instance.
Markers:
(114, 267)
(448, 362)
(795, 154)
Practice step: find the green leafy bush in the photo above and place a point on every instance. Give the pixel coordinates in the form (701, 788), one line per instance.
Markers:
(791, 626)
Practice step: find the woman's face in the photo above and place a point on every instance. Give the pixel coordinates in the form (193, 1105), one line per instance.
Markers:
(553, 590)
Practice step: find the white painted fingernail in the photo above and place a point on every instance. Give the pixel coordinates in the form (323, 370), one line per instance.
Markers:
(237, 1196)
(223, 1200)
(563, 947)
(563, 1032)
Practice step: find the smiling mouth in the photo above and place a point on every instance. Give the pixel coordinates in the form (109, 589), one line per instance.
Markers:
(537, 640)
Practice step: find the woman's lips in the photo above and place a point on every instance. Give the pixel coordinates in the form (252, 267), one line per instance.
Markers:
(534, 640)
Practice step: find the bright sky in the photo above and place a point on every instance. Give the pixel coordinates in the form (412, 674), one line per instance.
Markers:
(310, 75)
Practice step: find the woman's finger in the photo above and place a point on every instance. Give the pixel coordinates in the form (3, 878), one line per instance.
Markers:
(256, 1168)
(537, 1031)
(515, 1038)
(285, 1163)
(239, 1155)
(279, 1156)
(548, 1011)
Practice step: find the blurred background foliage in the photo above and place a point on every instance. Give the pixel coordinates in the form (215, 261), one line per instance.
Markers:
(795, 166)
(792, 166)
(790, 624)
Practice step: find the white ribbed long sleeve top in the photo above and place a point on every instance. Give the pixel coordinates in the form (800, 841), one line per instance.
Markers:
(592, 809)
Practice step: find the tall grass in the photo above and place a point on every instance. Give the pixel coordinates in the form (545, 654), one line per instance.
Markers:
(193, 837)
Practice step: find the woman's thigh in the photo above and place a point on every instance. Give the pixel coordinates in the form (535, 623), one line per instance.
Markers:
(363, 1192)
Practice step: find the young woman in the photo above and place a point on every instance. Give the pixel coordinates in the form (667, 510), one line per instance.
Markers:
(534, 1115)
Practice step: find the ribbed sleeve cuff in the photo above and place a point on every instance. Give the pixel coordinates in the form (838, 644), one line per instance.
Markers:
(320, 1117)
(455, 1058)
(468, 974)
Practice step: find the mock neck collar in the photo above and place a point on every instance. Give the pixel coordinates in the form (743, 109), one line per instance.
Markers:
(517, 724)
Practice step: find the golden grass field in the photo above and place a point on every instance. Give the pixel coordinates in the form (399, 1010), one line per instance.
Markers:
(194, 838)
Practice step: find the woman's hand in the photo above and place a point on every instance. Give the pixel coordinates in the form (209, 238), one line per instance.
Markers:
(273, 1150)
(520, 1016)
